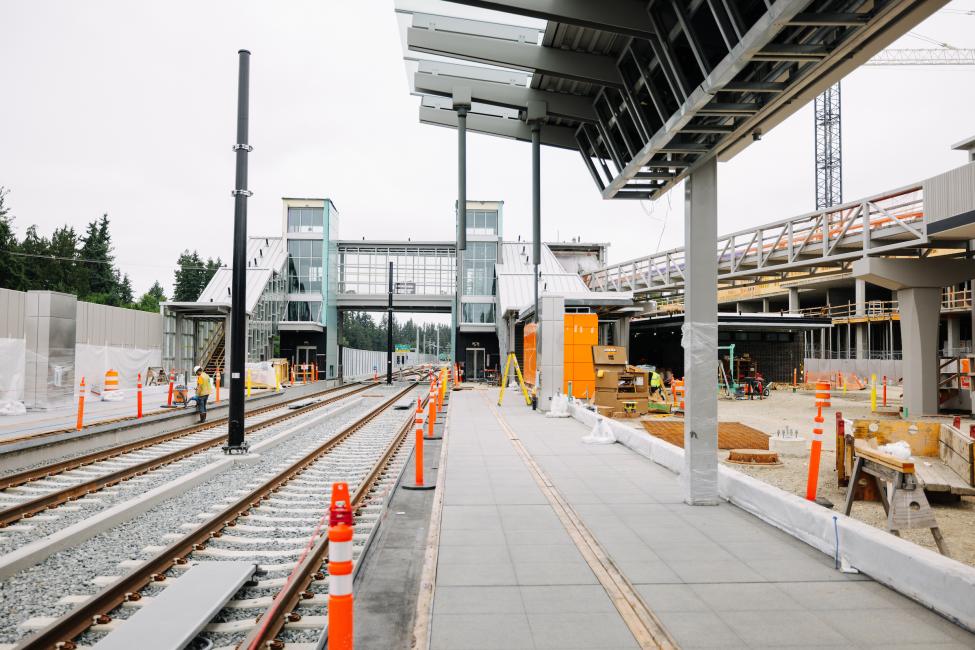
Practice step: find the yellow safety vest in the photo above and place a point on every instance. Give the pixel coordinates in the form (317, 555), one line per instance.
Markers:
(655, 380)
(202, 384)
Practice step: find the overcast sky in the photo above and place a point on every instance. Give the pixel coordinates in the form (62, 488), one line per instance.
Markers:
(129, 108)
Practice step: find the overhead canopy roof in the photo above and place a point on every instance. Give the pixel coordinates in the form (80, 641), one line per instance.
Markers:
(645, 91)
(516, 290)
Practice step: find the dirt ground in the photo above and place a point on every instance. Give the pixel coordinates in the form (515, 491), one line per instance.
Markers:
(796, 411)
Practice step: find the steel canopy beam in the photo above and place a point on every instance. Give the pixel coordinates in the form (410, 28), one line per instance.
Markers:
(575, 107)
(579, 66)
(618, 16)
(552, 136)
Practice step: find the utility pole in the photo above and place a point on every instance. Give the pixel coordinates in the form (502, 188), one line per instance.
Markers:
(389, 330)
(238, 282)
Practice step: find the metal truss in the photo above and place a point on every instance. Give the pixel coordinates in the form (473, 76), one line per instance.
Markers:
(919, 56)
(818, 243)
(829, 148)
(668, 84)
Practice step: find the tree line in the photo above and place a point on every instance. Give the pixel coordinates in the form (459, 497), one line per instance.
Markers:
(360, 330)
(83, 264)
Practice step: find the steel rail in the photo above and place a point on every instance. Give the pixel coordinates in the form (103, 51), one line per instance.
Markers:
(60, 634)
(282, 609)
(53, 499)
(37, 473)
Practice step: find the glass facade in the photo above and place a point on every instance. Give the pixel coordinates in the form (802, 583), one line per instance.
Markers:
(262, 325)
(482, 222)
(169, 341)
(478, 312)
(305, 258)
(364, 270)
(479, 261)
(306, 219)
(305, 310)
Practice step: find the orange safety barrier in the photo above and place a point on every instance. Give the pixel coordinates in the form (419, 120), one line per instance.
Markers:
(172, 379)
(111, 381)
(216, 379)
(419, 483)
(885, 390)
(138, 397)
(340, 600)
(432, 415)
(816, 448)
(81, 405)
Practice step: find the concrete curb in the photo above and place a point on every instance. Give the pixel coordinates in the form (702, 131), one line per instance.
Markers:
(937, 582)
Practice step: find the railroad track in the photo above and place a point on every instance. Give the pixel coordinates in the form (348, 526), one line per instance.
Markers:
(278, 524)
(25, 494)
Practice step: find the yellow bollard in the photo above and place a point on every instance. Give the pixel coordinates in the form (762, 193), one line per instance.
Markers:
(248, 383)
(873, 393)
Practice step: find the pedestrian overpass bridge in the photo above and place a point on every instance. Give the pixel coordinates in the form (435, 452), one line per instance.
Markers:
(424, 275)
(916, 221)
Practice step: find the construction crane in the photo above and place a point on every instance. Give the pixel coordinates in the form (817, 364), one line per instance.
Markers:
(826, 111)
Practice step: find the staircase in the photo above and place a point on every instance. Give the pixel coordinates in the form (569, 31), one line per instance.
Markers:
(212, 358)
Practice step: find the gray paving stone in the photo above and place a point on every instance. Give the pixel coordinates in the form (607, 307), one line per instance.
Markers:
(735, 597)
(580, 630)
(566, 599)
(476, 574)
(714, 571)
(554, 573)
(648, 572)
(544, 553)
(883, 626)
(497, 554)
(780, 629)
(464, 537)
(478, 600)
(700, 630)
(481, 632)
(672, 598)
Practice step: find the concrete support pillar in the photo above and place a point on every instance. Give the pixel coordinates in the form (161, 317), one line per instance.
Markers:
(822, 343)
(794, 300)
(953, 342)
(551, 357)
(699, 479)
(920, 312)
(623, 331)
(765, 305)
(861, 310)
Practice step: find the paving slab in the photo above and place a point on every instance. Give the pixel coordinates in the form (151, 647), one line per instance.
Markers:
(716, 577)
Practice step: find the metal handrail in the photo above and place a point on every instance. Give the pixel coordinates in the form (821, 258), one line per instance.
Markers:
(211, 345)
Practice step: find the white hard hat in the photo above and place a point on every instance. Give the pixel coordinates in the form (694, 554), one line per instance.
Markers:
(196, 369)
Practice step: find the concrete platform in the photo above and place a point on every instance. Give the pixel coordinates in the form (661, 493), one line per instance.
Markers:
(509, 573)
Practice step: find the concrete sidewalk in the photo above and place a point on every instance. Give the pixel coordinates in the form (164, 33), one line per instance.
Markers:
(509, 574)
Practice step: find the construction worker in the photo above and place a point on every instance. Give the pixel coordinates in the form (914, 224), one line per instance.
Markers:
(203, 388)
(656, 384)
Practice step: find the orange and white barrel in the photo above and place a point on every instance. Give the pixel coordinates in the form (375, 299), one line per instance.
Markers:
(111, 381)
(679, 391)
(822, 394)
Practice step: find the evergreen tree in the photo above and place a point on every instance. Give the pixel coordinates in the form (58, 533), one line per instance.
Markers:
(123, 291)
(11, 265)
(149, 301)
(36, 268)
(189, 274)
(61, 271)
(100, 282)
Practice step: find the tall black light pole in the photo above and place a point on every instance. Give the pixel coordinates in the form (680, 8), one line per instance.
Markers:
(238, 282)
(389, 329)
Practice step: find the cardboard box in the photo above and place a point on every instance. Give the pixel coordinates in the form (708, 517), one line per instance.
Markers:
(609, 355)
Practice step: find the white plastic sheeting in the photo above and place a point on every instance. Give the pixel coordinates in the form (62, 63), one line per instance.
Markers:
(12, 369)
(560, 407)
(92, 361)
(262, 373)
(938, 582)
